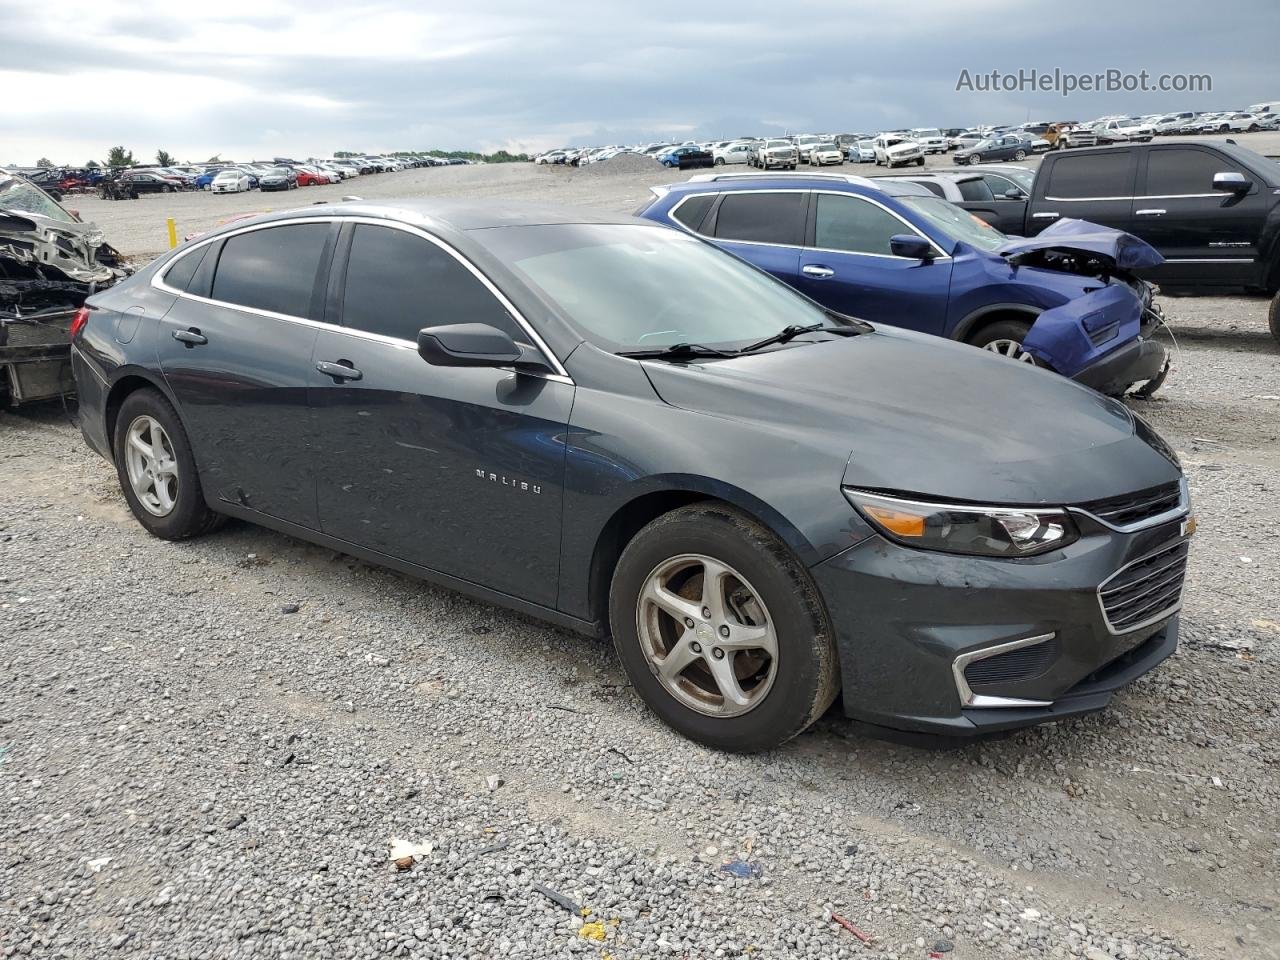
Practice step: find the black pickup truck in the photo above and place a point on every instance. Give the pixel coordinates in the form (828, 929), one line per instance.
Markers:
(1212, 208)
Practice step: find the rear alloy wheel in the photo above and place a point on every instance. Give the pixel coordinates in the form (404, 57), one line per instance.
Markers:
(157, 471)
(1005, 338)
(721, 630)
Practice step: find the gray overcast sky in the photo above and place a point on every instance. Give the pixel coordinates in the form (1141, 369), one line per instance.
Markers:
(258, 78)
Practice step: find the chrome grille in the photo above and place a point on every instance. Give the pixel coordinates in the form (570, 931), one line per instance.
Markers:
(1146, 590)
(1136, 507)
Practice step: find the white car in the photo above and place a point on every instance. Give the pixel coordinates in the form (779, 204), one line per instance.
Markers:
(732, 153)
(897, 150)
(230, 181)
(1125, 129)
(931, 139)
(1235, 122)
(824, 154)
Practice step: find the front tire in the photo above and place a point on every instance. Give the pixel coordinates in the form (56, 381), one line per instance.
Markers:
(1005, 337)
(1273, 317)
(742, 665)
(1020, 155)
(157, 471)
(975, 159)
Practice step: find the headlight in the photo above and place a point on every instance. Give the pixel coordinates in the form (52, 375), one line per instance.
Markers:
(961, 528)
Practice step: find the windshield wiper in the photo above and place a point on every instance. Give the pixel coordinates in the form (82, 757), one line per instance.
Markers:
(795, 330)
(677, 351)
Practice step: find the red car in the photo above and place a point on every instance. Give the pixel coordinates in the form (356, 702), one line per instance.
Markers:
(310, 177)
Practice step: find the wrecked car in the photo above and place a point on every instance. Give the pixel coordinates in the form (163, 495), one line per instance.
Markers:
(890, 251)
(50, 261)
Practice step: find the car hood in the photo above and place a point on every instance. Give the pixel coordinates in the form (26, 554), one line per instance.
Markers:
(922, 415)
(1125, 250)
(902, 148)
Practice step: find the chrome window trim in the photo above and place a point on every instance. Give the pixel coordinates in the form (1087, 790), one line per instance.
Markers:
(157, 281)
(1173, 513)
(1163, 614)
(942, 254)
(970, 699)
(1210, 260)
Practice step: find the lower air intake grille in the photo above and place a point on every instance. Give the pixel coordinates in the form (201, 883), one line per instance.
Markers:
(1023, 664)
(1145, 591)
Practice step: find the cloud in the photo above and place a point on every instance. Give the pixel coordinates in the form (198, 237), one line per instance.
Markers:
(260, 78)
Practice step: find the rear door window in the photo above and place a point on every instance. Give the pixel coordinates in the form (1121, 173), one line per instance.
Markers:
(854, 225)
(1091, 176)
(1182, 171)
(271, 269)
(180, 274)
(976, 189)
(397, 283)
(762, 217)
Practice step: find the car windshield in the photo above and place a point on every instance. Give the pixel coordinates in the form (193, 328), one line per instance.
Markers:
(777, 143)
(866, 144)
(22, 197)
(826, 146)
(278, 172)
(926, 133)
(956, 223)
(633, 287)
(1022, 176)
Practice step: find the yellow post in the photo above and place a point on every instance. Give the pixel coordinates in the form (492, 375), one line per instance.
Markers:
(173, 233)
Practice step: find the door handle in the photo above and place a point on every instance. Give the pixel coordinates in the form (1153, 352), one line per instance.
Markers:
(814, 270)
(342, 370)
(1045, 216)
(1154, 212)
(192, 337)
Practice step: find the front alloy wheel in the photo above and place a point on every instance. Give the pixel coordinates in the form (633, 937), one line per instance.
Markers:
(707, 636)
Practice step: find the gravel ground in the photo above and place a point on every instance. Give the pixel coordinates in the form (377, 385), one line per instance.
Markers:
(206, 748)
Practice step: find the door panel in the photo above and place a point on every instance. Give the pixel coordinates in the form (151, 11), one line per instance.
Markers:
(1205, 235)
(242, 396)
(459, 469)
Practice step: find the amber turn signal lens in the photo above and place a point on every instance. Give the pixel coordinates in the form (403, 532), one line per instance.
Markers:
(898, 522)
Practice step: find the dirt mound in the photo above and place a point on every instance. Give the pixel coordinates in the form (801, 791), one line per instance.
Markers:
(624, 164)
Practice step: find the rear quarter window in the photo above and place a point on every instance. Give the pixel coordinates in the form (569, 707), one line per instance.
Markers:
(693, 210)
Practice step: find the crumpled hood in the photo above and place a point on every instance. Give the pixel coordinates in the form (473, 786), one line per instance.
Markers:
(1125, 250)
(918, 414)
(67, 246)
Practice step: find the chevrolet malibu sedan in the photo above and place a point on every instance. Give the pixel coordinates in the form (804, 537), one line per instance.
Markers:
(623, 430)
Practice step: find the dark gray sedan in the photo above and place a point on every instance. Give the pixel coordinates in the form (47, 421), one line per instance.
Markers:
(616, 427)
(1008, 147)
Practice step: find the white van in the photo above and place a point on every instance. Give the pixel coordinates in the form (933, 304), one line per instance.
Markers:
(1265, 108)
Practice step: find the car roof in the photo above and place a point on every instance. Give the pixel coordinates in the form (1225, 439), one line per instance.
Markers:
(850, 182)
(458, 215)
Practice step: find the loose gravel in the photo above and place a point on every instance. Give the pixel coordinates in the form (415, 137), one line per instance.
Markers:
(208, 748)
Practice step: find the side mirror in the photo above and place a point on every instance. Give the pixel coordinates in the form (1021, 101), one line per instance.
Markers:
(1229, 181)
(467, 345)
(1013, 193)
(910, 246)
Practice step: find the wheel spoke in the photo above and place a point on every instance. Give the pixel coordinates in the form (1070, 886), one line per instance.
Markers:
(141, 483)
(163, 496)
(671, 604)
(727, 681)
(144, 448)
(681, 655)
(713, 589)
(743, 637)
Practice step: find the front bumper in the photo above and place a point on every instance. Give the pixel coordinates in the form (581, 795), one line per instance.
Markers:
(904, 617)
(1117, 371)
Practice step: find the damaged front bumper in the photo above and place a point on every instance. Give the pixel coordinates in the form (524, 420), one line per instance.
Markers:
(48, 267)
(1103, 340)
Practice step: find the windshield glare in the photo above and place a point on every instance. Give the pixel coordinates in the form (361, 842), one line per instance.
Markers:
(631, 287)
(956, 223)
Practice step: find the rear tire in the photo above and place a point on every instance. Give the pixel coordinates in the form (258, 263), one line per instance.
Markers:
(919, 161)
(1273, 317)
(765, 592)
(188, 516)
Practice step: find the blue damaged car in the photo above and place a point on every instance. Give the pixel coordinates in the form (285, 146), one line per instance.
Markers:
(891, 252)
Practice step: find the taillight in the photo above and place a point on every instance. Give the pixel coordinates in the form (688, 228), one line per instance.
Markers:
(78, 321)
